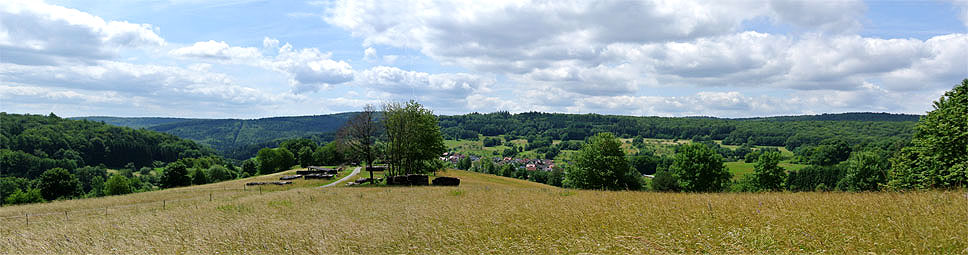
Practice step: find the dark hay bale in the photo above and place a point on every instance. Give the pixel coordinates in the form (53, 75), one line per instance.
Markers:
(446, 181)
(290, 177)
(318, 176)
(418, 179)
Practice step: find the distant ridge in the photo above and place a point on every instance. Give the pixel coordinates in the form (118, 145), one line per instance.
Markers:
(241, 138)
(850, 116)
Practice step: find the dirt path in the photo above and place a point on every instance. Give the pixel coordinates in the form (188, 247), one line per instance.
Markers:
(355, 171)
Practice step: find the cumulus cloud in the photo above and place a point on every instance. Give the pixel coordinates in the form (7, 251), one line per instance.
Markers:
(615, 48)
(217, 51)
(308, 69)
(36, 33)
(445, 90)
(164, 82)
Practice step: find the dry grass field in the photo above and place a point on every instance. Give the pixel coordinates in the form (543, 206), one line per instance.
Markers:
(489, 214)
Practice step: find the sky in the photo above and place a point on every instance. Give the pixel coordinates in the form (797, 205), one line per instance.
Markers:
(254, 59)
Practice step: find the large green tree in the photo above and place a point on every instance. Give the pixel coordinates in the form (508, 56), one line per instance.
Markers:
(413, 137)
(697, 168)
(58, 183)
(117, 185)
(601, 164)
(938, 156)
(176, 175)
(767, 174)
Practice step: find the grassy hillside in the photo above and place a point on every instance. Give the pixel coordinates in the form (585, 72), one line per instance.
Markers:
(490, 214)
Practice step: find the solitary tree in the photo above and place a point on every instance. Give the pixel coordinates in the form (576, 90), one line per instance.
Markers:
(601, 164)
(117, 185)
(359, 133)
(767, 174)
(413, 137)
(699, 169)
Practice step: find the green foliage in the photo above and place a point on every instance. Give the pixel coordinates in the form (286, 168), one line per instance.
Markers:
(38, 143)
(273, 160)
(199, 177)
(865, 171)
(330, 155)
(464, 163)
(812, 177)
(31, 195)
(767, 174)
(697, 168)
(413, 137)
(938, 156)
(828, 153)
(241, 139)
(218, 173)
(97, 187)
(58, 183)
(601, 164)
(176, 175)
(665, 181)
(250, 167)
(305, 156)
(117, 185)
(507, 170)
(492, 141)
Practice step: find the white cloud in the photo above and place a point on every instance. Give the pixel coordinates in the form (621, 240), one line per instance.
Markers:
(308, 69)
(36, 33)
(220, 51)
(169, 85)
(369, 54)
(448, 90)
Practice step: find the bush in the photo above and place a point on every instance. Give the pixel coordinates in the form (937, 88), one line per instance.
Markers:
(117, 185)
(25, 197)
(665, 181)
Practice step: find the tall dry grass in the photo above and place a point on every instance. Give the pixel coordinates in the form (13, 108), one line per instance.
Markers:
(490, 214)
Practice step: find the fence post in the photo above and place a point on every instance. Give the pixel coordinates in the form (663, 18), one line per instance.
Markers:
(65, 216)
(260, 190)
(210, 196)
(164, 204)
(27, 218)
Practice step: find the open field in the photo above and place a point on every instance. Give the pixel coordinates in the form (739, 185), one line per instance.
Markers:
(491, 214)
(740, 168)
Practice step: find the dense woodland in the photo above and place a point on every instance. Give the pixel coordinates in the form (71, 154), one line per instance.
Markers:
(791, 132)
(48, 158)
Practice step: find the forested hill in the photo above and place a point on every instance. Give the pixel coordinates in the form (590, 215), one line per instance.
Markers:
(791, 131)
(32, 144)
(239, 138)
(854, 116)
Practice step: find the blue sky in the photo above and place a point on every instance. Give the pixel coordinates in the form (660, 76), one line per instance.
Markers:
(252, 59)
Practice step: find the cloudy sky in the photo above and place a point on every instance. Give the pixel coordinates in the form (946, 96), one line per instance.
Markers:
(252, 59)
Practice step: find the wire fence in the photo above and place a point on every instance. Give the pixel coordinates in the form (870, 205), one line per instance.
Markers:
(60, 215)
